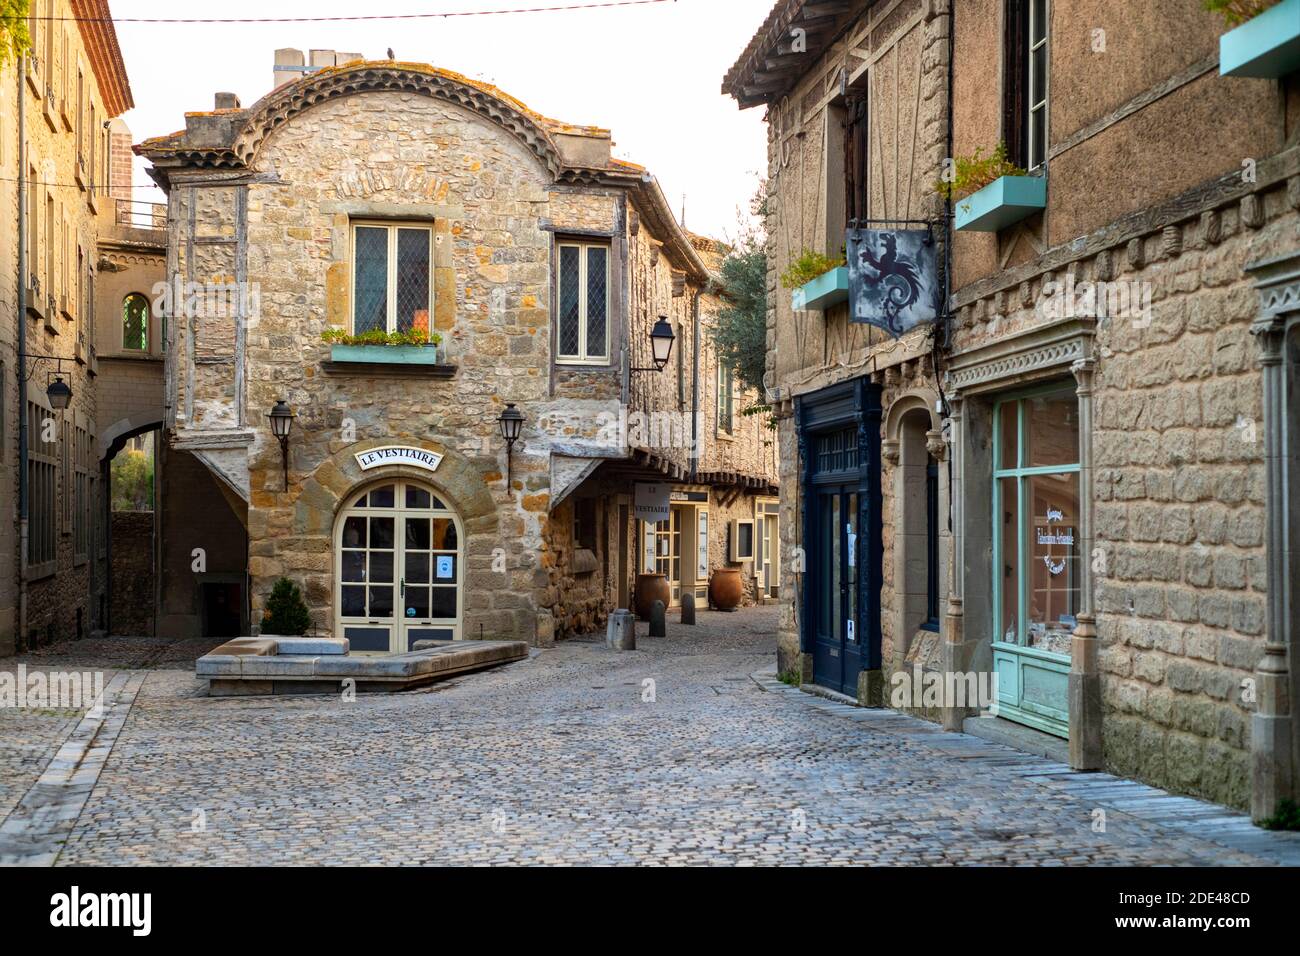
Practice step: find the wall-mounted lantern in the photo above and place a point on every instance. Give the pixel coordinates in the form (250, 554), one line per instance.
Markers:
(59, 393)
(511, 424)
(282, 417)
(661, 345)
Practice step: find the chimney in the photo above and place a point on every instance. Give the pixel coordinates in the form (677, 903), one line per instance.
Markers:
(120, 160)
(227, 101)
(289, 66)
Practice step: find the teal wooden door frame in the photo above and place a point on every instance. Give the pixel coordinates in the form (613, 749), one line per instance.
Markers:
(1018, 666)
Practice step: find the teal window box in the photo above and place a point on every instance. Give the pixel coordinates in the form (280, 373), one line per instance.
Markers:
(1002, 202)
(826, 290)
(386, 354)
(1265, 46)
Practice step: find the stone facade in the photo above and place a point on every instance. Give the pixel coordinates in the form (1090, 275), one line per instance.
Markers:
(56, 98)
(1180, 187)
(268, 198)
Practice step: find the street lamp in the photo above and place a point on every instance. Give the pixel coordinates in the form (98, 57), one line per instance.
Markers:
(59, 394)
(282, 417)
(661, 345)
(511, 424)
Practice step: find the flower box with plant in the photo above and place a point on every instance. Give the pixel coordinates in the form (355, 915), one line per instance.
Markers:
(1264, 41)
(991, 192)
(415, 347)
(817, 281)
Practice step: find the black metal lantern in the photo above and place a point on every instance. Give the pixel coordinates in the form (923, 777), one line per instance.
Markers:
(511, 424)
(661, 345)
(59, 393)
(661, 341)
(282, 417)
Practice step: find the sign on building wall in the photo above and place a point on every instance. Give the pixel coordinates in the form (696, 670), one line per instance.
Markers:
(893, 278)
(652, 502)
(417, 457)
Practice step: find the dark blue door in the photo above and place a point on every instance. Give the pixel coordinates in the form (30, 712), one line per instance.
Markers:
(837, 634)
(839, 443)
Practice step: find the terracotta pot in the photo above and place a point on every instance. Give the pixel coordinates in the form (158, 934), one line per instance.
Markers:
(651, 588)
(726, 589)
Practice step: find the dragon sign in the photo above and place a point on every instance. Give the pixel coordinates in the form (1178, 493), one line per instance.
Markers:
(893, 280)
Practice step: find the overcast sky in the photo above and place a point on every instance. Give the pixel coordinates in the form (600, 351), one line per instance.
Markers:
(651, 74)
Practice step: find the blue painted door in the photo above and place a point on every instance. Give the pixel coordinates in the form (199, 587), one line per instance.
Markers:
(837, 648)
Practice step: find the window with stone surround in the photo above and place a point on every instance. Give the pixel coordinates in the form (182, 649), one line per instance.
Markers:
(726, 399)
(42, 481)
(135, 323)
(582, 291)
(392, 277)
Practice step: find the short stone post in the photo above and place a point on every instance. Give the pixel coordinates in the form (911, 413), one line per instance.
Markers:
(658, 620)
(688, 608)
(621, 632)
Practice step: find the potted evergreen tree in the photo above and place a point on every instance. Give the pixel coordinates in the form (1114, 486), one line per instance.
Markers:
(286, 613)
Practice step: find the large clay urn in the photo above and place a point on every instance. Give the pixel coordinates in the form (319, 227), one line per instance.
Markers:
(651, 588)
(726, 589)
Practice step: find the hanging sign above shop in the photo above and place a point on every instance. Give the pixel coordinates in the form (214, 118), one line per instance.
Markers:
(893, 278)
(396, 455)
(652, 502)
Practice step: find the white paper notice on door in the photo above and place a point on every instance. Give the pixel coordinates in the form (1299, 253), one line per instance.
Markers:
(446, 567)
(849, 622)
(853, 554)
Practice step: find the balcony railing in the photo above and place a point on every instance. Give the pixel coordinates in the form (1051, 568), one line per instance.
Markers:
(137, 214)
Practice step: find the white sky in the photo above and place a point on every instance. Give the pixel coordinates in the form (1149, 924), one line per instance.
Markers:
(651, 74)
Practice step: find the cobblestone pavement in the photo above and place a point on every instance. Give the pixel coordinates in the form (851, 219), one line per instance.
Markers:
(569, 757)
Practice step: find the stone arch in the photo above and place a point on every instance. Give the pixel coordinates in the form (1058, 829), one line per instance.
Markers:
(912, 442)
(274, 110)
(307, 549)
(113, 438)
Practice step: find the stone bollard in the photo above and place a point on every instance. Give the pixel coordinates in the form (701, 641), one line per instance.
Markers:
(688, 608)
(621, 633)
(658, 620)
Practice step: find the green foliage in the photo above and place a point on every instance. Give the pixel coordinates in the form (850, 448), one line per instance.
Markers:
(15, 40)
(380, 337)
(286, 613)
(973, 173)
(1237, 12)
(1286, 818)
(807, 267)
(739, 330)
(131, 477)
(793, 678)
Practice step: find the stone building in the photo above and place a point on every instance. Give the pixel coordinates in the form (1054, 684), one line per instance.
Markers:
(857, 136)
(57, 103)
(360, 201)
(1118, 374)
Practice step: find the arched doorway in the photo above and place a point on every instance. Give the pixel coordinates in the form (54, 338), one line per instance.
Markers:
(397, 568)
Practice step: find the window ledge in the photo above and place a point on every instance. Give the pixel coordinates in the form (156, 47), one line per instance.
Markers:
(388, 369)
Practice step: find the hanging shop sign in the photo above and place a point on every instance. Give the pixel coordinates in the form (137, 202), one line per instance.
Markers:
(893, 278)
(652, 502)
(395, 455)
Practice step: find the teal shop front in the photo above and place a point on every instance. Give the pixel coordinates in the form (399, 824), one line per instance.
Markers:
(1036, 553)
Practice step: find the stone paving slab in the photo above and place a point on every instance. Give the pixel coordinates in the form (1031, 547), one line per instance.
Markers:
(667, 755)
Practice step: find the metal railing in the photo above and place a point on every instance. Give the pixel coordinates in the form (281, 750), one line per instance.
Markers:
(138, 214)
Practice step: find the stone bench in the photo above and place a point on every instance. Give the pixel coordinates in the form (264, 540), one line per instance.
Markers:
(248, 674)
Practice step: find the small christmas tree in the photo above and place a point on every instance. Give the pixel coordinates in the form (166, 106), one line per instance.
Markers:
(286, 613)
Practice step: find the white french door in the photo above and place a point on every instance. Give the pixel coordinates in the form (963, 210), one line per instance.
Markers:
(398, 558)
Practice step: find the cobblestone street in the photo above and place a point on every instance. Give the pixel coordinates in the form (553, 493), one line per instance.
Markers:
(558, 759)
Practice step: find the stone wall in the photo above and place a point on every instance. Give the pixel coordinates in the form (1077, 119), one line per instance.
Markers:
(133, 574)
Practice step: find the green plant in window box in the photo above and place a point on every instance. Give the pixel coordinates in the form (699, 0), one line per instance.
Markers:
(810, 265)
(1237, 12)
(415, 337)
(972, 173)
